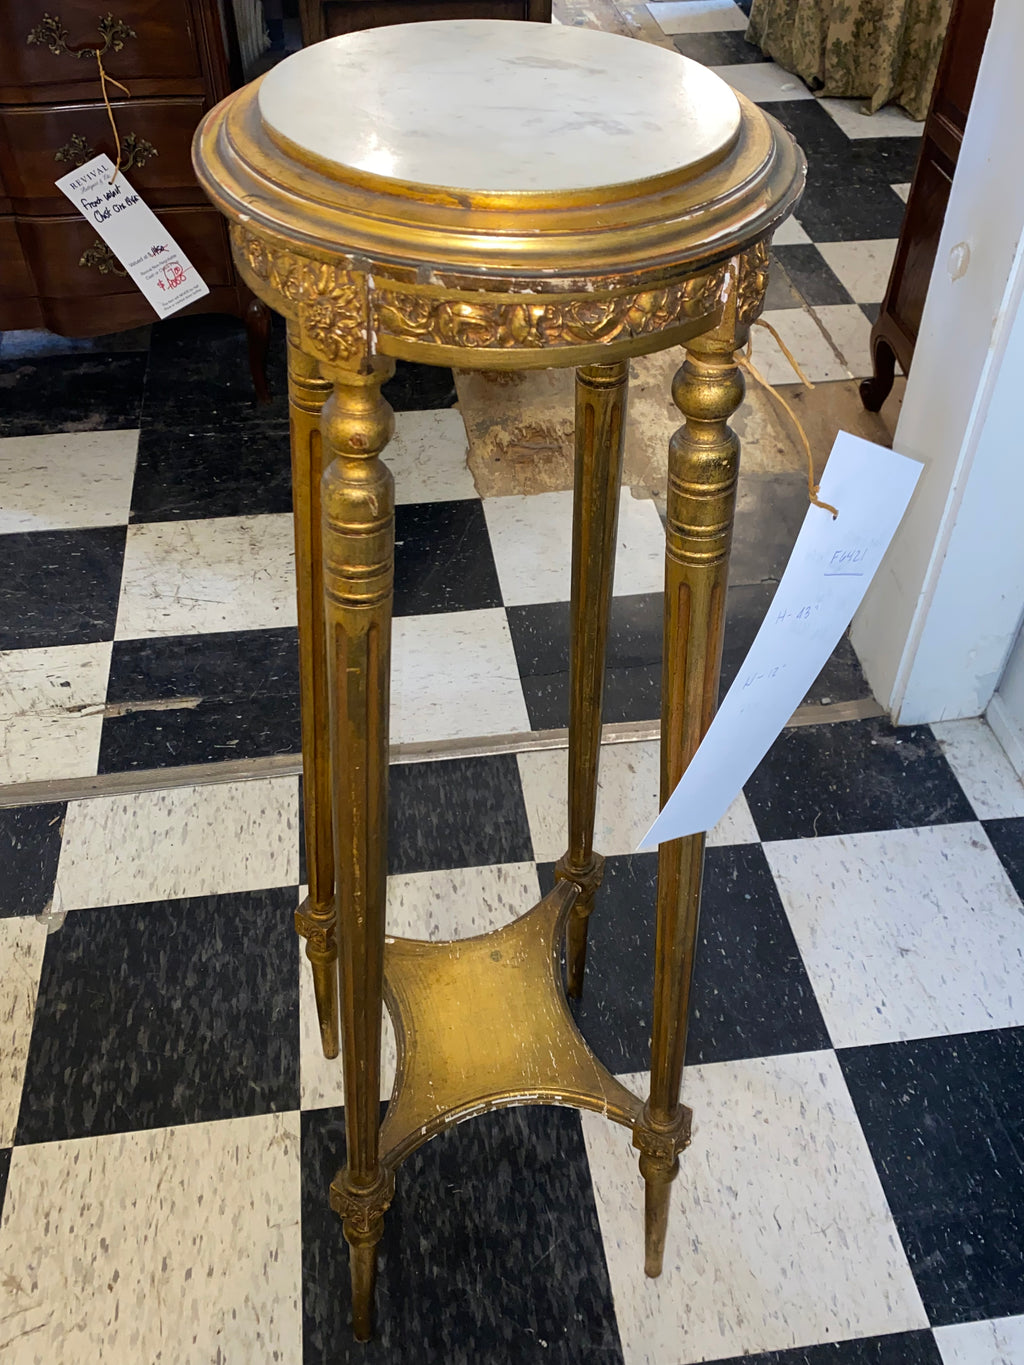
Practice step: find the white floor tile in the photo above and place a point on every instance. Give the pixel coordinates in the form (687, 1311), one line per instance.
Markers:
(999, 1342)
(22, 941)
(456, 903)
(177, 1243)
(889, 121)
(779, 1235)
(532, 542)
(182, 841)
(627, 801)
(697, 16)
(224, 573)
(67, 481)
(454, 676)
(863, 267)
(51, 711)
(905, 933)
(903, 190)
(763, 82)
(804, 338)
(850, 331)
(428, 454)
(981, 767)
(790, 234)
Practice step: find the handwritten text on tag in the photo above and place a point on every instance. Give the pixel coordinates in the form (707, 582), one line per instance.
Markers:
(135, 235)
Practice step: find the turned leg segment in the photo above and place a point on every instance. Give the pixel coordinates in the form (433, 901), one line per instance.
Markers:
(703, 468)
(600, 430)
(358, 551)
(315, 920)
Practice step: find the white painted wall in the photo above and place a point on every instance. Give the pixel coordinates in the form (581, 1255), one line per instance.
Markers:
(1005, 711)
(937, 625)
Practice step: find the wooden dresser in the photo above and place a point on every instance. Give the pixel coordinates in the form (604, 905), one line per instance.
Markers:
(894, 335)
(329, 18)
(178, 58)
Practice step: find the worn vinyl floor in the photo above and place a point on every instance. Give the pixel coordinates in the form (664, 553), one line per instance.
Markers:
(168, 1128)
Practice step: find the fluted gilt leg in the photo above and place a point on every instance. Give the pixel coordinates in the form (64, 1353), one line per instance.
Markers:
(358, 551)
(600, 429)
(315, 919)
(703, 469)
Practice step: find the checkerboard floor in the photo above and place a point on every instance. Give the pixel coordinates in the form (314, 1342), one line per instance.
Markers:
(854, 1189)
(168, 1126)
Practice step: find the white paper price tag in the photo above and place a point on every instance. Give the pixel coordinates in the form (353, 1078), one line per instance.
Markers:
(828, 573)
(135, 235)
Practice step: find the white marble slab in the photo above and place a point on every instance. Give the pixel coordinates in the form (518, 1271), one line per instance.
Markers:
(51, 711)
(779, 1234)
(531, 537)
(173, 1244)
(428, 456)
(66, 481)
(805, 338)
(763, 82)
(454, 676)
(863, 267)
(889, 121)
(22, 941)
(697, 16)
(848, 327)
(627, 801)
(997, 1342)
(905, 933)
(456, 903)
(182, 841)
(222, 573)
(499, 105)
(981, 767)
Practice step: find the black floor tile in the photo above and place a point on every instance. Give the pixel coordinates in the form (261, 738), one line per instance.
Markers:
(770, 509)
(540, 636)
(60, 587)
(184, 472)
(900, 1348)
(726, 48)
(92, 392)
(751, 993)
(202, 699)
(812, 275)
(5, 1166)
(840, 680)
(416, 388)
(168, 1012)
(491, 1250)
(823, 141)
(463, 812)
(892, 160)
(851, 777)
(871, 311)
(945, 1123)
(199, 378)
(443, 558)
(1007, 838)
(850, 212)
(781, 291)
(30, 838)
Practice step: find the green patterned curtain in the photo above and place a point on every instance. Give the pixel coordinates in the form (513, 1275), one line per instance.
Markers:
(884, 51)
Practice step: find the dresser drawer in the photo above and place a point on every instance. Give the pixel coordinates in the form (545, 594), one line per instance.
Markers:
(54, 248)
(14, 273)
(145, 39)
(39, 145)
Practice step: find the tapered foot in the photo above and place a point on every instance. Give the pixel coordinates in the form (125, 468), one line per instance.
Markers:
(587, 882)
(874, 391)
(658, 1177)
(362, 1260)
(319, 931)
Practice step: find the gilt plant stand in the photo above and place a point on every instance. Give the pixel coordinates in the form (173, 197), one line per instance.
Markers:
(500, 196)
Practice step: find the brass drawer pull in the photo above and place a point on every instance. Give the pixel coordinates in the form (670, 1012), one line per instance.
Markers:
(52, 34)
(135, 151)
(100, 257)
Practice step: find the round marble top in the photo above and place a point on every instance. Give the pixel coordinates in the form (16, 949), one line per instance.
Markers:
(496, 106)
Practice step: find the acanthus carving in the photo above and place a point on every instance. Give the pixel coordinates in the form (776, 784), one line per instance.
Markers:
(751, 282)
(507, 324)
(329, 301)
